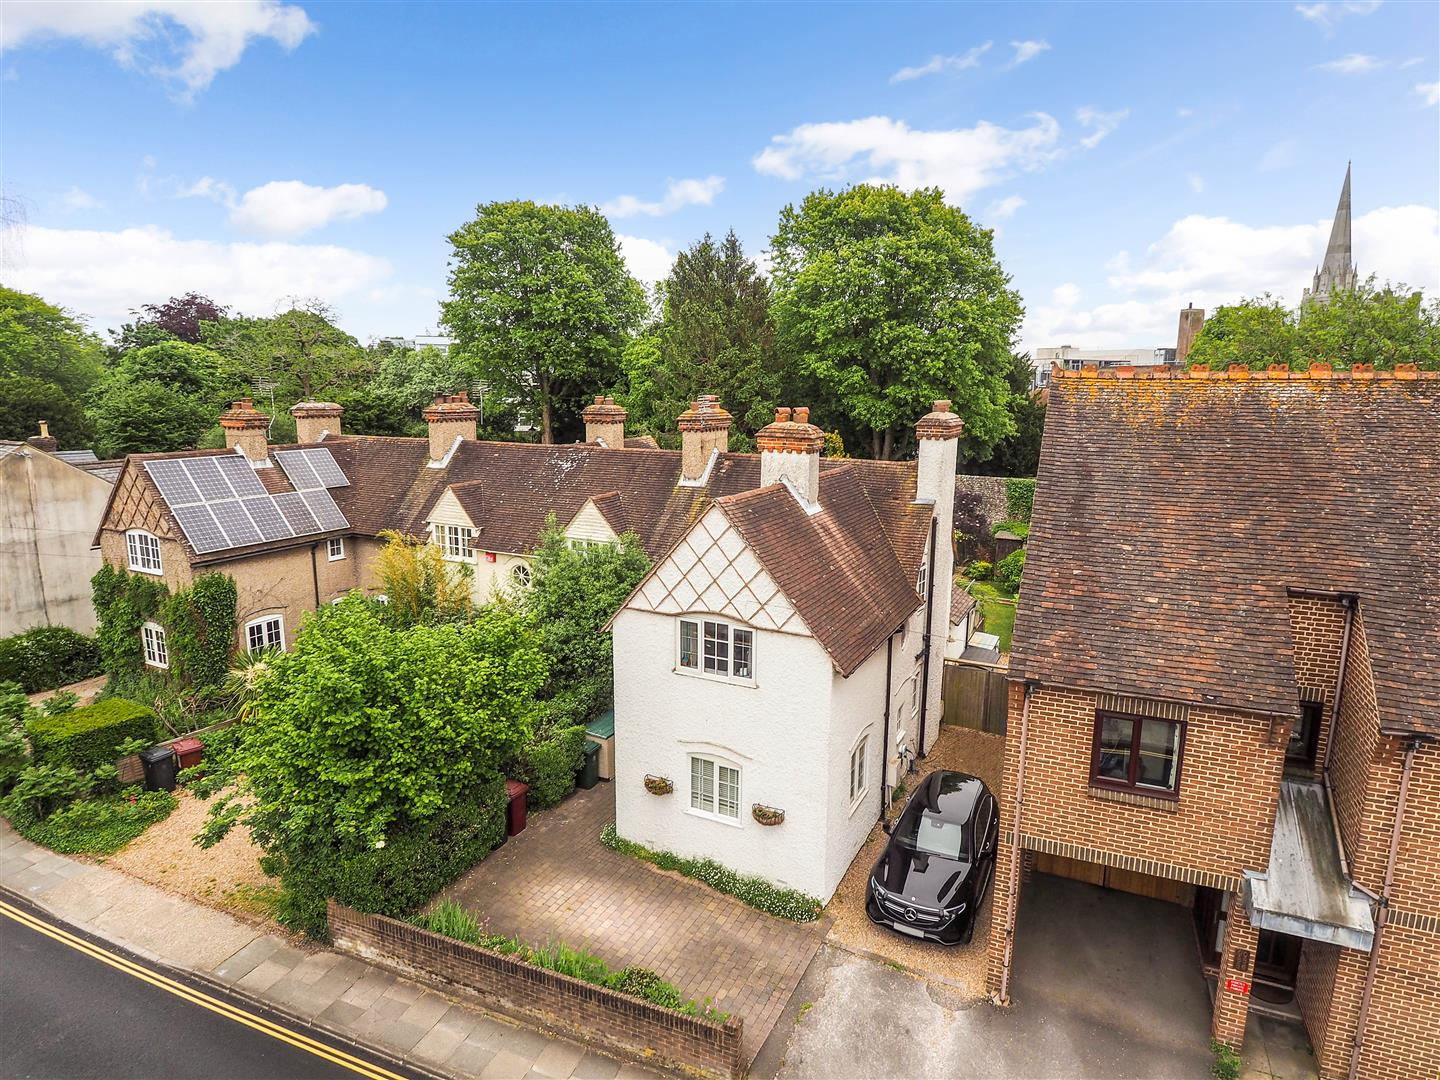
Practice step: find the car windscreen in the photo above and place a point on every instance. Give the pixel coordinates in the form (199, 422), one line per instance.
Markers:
(930, 833)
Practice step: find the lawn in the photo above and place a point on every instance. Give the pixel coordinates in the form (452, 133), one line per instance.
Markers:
(997, 611)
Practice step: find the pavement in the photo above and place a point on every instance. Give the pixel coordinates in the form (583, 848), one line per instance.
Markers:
(557, 882)
(312, 987)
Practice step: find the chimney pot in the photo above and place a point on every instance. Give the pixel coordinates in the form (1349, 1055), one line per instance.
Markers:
(782, 415)
(802, 415)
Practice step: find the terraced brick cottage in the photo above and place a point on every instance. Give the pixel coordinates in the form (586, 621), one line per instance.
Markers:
(782, 661)
(1226, 687)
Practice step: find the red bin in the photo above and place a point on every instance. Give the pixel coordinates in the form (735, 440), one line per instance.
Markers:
(515, 812)
(190, 751)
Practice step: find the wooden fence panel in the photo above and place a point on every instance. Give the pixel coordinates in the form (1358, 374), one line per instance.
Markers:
(974, 696)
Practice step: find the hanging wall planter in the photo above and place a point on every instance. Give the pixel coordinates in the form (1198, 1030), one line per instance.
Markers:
(658, 785)
(767, 815)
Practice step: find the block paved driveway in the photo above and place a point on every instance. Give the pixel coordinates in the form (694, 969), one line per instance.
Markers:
(557, 882)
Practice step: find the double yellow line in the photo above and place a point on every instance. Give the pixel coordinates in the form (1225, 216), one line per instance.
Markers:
(205, 1001)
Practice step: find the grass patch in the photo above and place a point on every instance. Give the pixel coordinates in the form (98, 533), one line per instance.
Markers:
(754, 891)
(453, 921)
(95, 826)
(997, 611)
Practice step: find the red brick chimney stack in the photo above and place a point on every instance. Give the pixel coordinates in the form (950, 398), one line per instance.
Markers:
(450, 418)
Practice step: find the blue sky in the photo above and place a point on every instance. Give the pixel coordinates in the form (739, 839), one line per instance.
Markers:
(1131, 157)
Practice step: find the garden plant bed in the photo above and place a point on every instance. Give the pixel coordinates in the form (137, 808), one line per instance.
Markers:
(961, 966)
(226, 876)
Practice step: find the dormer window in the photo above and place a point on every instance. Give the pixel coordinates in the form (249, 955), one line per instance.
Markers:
(713, 647)
(143, 550)
(454, 542)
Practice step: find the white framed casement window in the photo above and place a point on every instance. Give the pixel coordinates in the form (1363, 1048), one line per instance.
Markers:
(335, 548)
(717, 648)
(143, 551)
(858, 776)
(264, 633)
(714, 788)
(157, 650)
(922, 579)
(454, 542)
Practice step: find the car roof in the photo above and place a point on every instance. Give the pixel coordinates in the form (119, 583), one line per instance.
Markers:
(952, 795)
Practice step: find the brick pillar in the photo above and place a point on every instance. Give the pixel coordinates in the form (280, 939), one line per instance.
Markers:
(1237, 963)
(1003, 916)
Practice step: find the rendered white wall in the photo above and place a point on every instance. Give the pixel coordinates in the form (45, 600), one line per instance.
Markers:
(935, 483)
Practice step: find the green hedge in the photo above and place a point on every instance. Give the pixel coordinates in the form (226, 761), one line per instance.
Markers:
(416, 862)
(758, 893)
(1009, 570)
(94, 826)
(86, 738)
(549, 765)
(47, 657)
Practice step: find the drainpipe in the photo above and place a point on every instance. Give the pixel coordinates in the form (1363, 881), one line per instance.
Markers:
(1384, 906)
(885, 738)
(1013, 887)
(925, 640)
(315, 575)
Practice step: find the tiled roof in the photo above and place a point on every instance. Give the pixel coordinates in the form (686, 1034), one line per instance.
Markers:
(1174, 512)
(836, 566)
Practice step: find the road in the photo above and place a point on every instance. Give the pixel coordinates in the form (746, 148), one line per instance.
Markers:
(73, 1007)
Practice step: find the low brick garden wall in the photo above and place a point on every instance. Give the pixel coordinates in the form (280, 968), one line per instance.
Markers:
(604, 1018)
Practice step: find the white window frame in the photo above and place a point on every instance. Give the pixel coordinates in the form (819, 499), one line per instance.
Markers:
(335, 548)
(521, 575)
(155, 645)
(922, 579)
(454, 542)
(860, 769)
(142, 550)
(715, 636)
(705, 800)
(263, 622)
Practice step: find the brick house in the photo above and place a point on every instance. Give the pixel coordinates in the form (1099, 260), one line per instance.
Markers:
(1226, 687)
(786, 656)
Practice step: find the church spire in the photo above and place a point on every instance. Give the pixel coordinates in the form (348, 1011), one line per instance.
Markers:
(1337, 272)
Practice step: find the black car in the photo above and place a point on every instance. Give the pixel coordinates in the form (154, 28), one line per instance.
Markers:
(936, 869)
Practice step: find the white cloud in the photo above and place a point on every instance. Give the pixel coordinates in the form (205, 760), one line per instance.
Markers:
(1184, 113)
(79, 199)
(1429, 92)
(207, 187)
(936, 64)
(106, 274)
(1026, 50)
(1280, 156)
(649, 261)
(1099, 123)
(290, 207)
(1352, 64)
(180, 41)
(678, 195)
(1196, 183)
(877, 148)
(1326, 15)
(1006, 207)
(1213, 260)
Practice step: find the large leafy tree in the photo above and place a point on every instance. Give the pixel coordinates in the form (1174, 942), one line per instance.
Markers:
(177, 319)
(1017, 454)
(887, 300)
(541, 300)
(367, 734)
(300, 350)
(46, 342)
(1371, 324)
(148, 417)
(25, 401)
(714, 335)
(189, 369)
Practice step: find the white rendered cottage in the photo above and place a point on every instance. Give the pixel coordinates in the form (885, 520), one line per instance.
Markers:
(791, 642)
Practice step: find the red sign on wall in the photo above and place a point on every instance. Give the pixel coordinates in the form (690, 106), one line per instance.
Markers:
(1238, 986)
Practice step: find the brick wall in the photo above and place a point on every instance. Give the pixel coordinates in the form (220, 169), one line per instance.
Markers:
(605, 1018)
(1317, 630)
(991, 490)
(1357, 735)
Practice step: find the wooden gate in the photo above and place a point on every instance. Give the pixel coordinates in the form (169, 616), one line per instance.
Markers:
(974, 697)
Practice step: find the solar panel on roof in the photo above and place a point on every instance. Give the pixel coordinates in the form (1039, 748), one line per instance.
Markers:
(297, 514)
(208, 480)
(326, 468)
(201, 529)
(235, 523)
(327, 514)
(298, 470)
(174, 484)
(267, 518)
(241, 475)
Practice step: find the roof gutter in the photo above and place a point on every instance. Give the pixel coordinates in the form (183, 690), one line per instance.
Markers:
(1384, 905)
(1012, 890)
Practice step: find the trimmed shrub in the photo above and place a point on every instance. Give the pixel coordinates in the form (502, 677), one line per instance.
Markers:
(95, 826)
(549, 765)
(46, 657)
(978, 570)
(1009, 569)
(85, 738)
(416, 862)
(758, 893)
